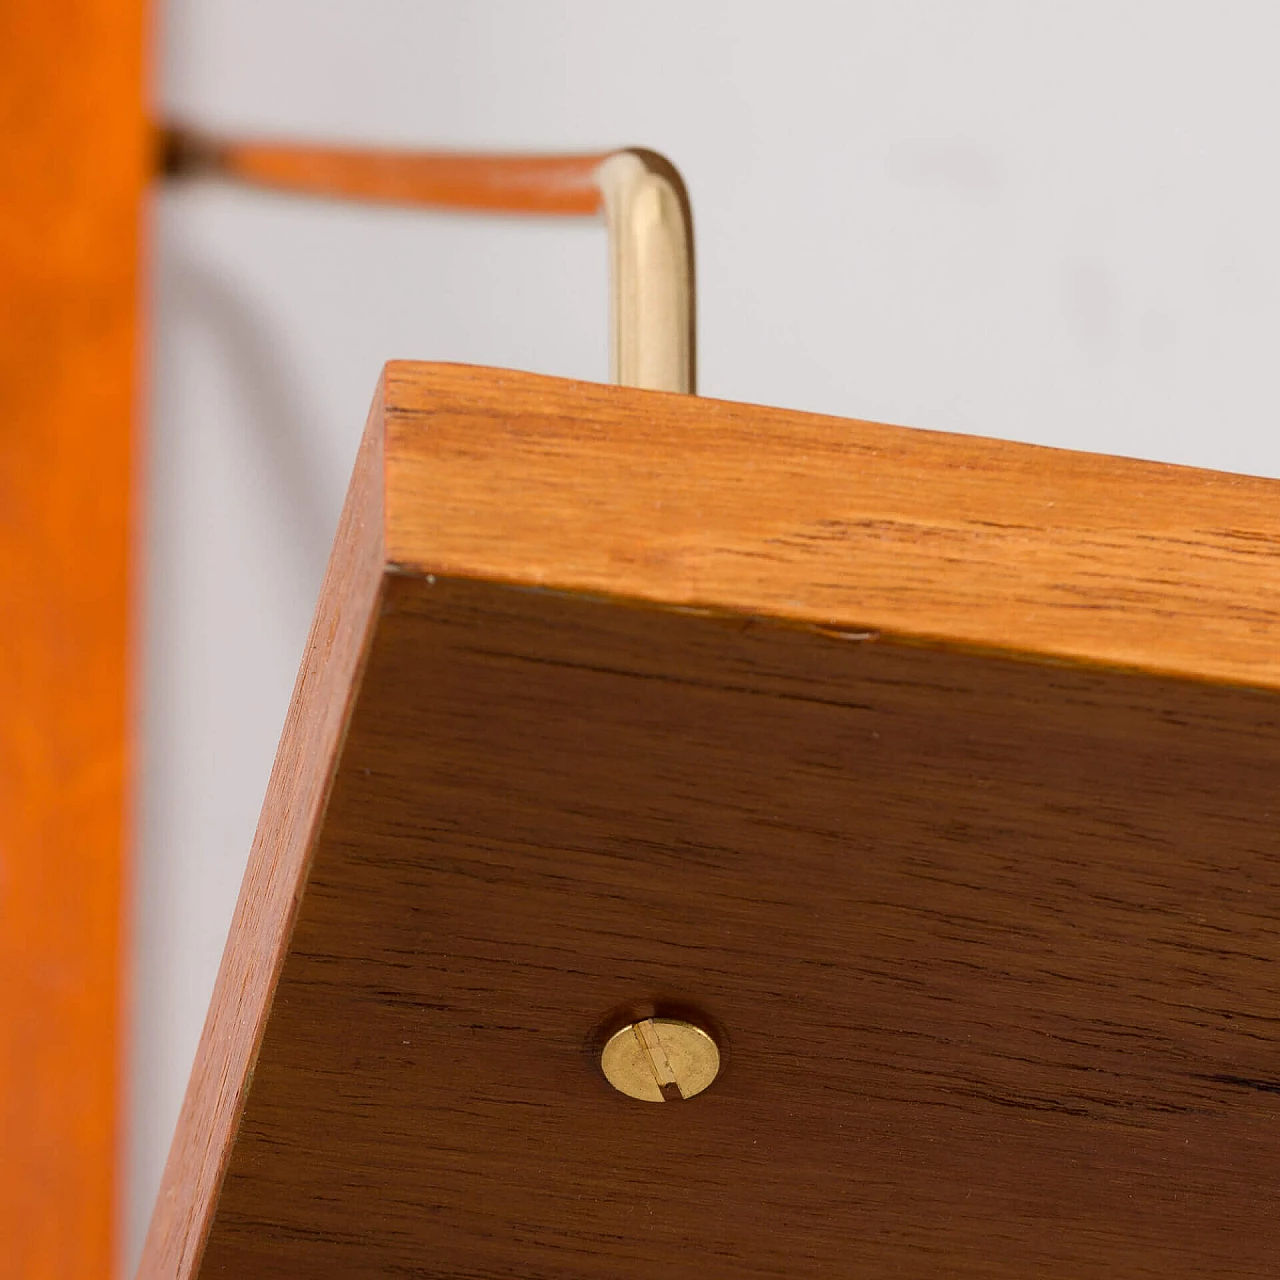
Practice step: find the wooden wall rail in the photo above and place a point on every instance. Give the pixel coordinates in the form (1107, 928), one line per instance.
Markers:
(75, 163)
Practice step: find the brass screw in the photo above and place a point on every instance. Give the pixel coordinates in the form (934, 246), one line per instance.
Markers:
(660, 1060)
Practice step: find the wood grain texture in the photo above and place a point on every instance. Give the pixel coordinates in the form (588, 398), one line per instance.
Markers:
(987, 933)
(967, 541)
(75, 165)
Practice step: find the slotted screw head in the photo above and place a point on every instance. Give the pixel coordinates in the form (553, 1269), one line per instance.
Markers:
(660, 1060)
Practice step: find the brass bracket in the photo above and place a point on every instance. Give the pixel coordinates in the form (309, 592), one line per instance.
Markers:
(639, 193)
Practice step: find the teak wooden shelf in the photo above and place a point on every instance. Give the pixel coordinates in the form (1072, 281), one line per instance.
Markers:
(937, 776)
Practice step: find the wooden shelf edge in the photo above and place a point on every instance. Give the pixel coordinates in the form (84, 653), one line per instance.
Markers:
(291, 814)
(850, 527)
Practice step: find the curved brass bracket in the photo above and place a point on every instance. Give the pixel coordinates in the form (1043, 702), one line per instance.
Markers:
(640, 194)
(650, 225)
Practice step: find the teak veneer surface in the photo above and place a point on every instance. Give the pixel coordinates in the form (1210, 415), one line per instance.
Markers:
(937, 775)
(75, 164)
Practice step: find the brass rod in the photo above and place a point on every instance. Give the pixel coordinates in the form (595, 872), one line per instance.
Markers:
(639, 193)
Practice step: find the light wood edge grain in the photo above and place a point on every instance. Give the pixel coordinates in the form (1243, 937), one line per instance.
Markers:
(292, 812)
(1032, 553)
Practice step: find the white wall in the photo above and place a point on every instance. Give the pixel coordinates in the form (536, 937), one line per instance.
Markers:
(1049, 222)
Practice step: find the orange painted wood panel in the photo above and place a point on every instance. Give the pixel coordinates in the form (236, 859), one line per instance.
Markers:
(76, 155)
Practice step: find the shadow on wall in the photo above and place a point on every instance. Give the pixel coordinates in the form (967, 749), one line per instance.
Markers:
(273, 423)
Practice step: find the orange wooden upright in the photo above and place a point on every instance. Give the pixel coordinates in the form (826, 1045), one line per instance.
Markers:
(75, 160)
